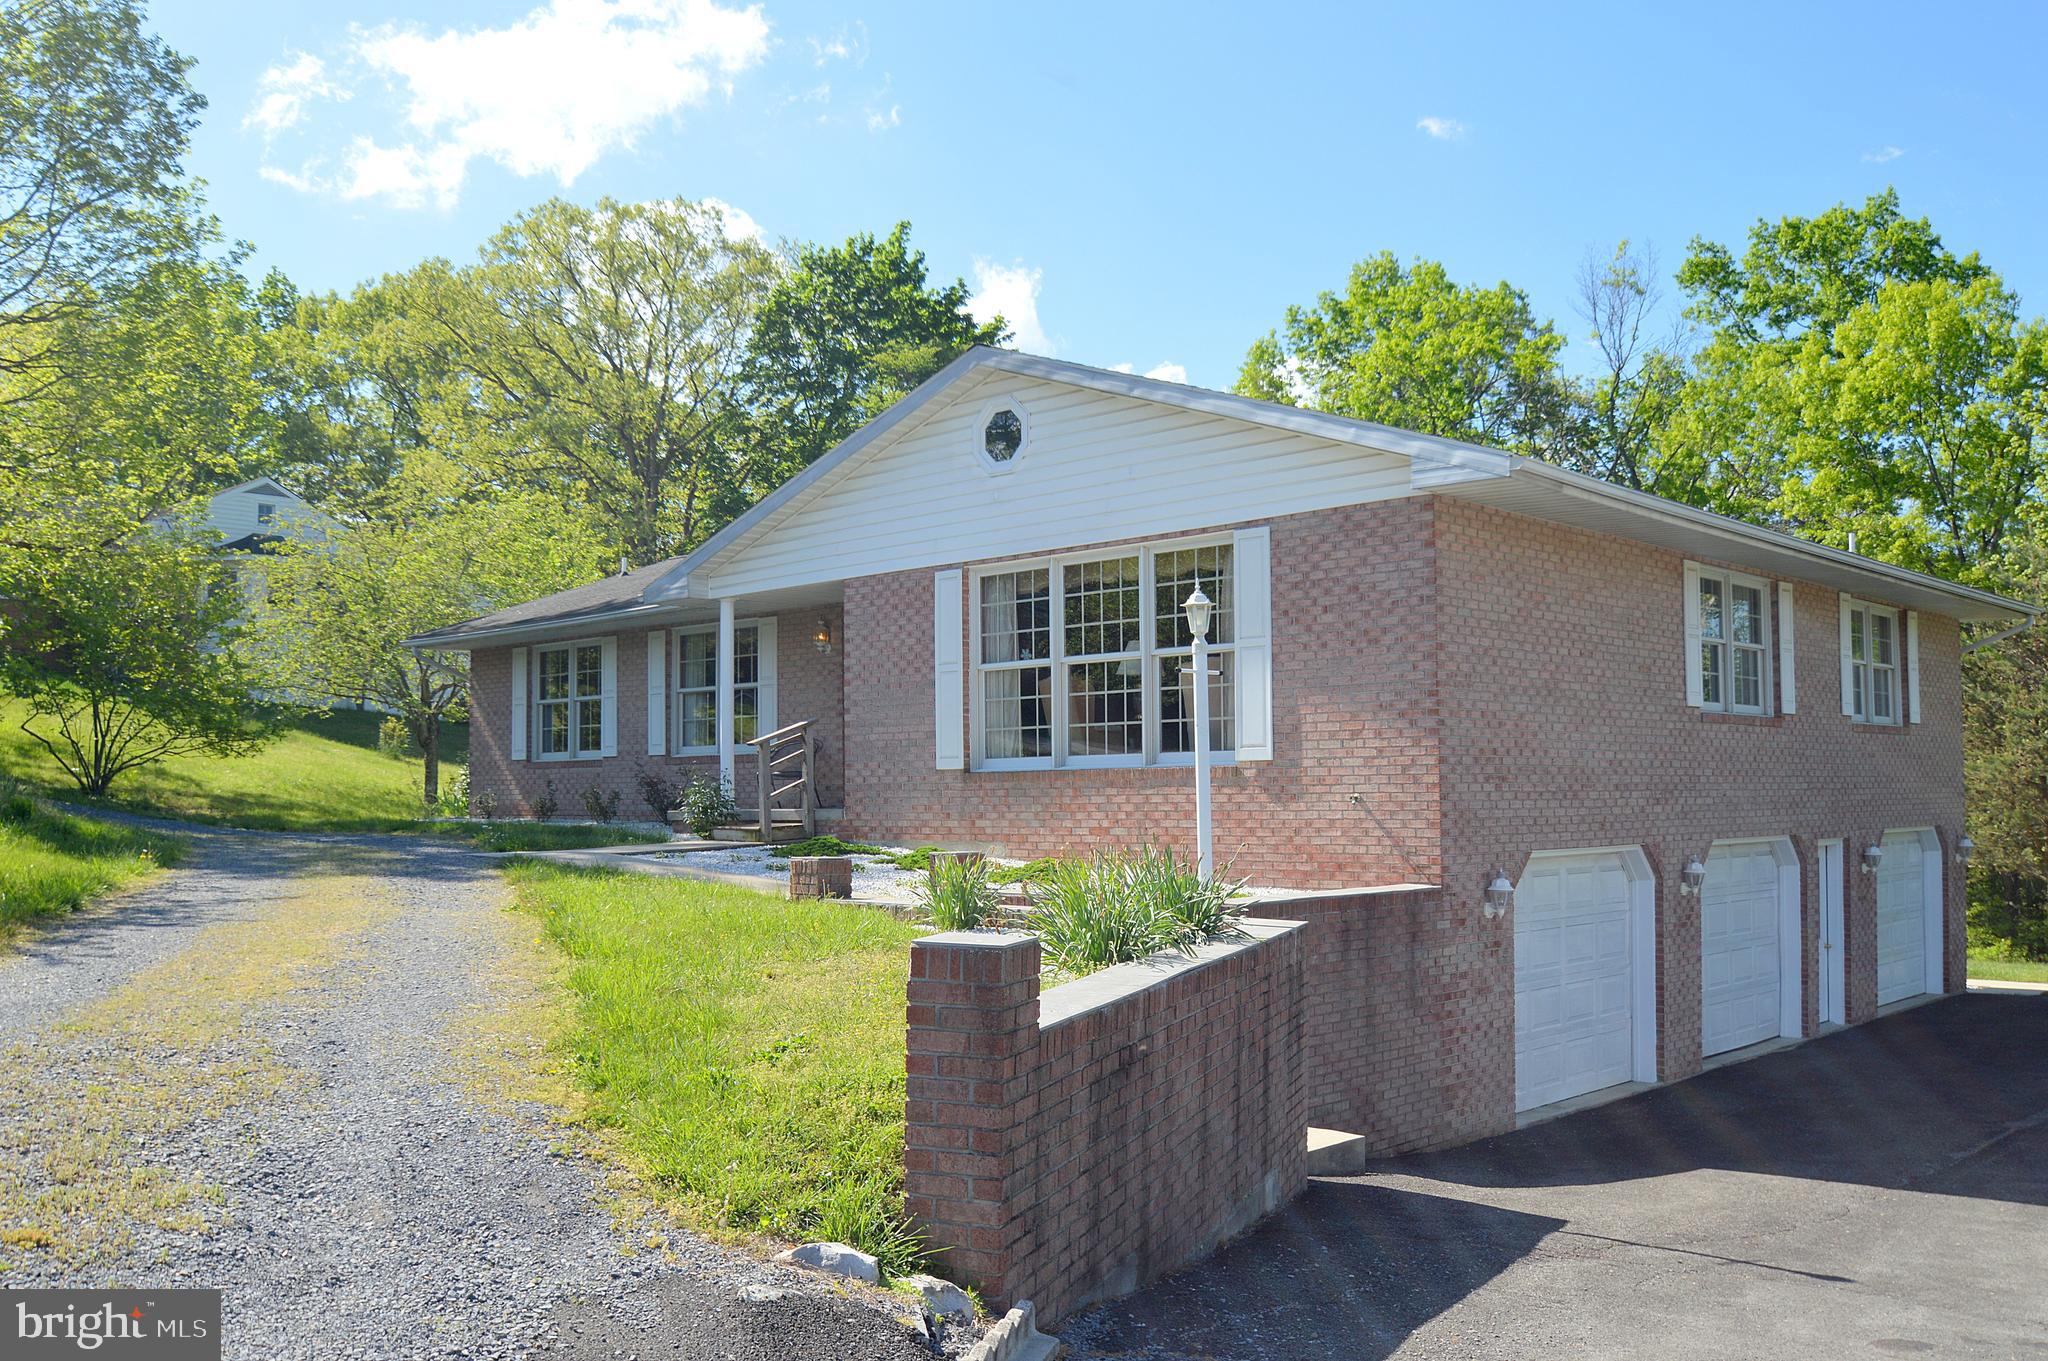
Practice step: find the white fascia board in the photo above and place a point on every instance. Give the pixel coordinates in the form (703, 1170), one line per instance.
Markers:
(660, 614)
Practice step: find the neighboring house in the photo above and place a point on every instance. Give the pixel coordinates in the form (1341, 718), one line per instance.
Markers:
(254, 517)
(1437, 664)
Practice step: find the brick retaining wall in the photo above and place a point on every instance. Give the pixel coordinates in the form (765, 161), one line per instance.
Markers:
(1071, 1147)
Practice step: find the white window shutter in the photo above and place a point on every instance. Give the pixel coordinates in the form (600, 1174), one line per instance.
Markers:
(949, 677)
(1788, 678)
(610, 708)
(1848, 666)
(1252, 558)
(1695, 686)
(657, 691)
(1912, 666)
(765, 720)
(517, 742)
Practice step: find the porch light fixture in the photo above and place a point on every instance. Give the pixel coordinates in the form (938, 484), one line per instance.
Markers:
(823, 637)
(1692, 877)
(1964, 850)
(1500, 895)
(1871, 855)
(1199, 607)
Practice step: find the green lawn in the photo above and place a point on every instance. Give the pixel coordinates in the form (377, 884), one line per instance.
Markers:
(747, 1050)
(324, 774)
(2008, 970)
(52, 863)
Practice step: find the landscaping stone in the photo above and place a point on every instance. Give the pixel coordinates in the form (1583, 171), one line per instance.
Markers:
(820, 876)
(956, 857)
(763, 1294)
(836, 1258)
(945, 1299)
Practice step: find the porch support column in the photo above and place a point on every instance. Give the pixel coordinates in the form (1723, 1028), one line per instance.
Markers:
(725, 681)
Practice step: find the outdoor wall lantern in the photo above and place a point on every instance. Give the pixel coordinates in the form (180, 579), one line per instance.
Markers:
(1871, 855)
(823, 637)
(1692, 877)
(1500, 895)
(1198, 608)
(1964, 850)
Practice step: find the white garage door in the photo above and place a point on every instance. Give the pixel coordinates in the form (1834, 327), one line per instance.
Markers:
(1739, 966)
(1574, 1022)
(1901, 918)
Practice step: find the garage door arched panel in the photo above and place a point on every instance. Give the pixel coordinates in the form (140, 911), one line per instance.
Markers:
(1750, 945)
(1585, 974)
(1909, 915)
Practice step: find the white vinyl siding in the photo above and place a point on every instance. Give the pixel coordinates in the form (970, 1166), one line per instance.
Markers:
(574, 700)
(1728, 641)
(922, 498)
(1082, 660)
(1870, 662)
(696, 685)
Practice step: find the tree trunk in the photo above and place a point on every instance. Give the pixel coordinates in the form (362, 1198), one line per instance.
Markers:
(428, 735)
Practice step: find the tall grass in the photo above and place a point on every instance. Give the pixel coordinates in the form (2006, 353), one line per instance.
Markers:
(959, 895)
(1112, 909)
(748, 1050)
(52, 863)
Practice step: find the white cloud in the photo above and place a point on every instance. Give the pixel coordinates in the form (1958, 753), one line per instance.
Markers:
(547, 95)
(847, 43)
(1883, 154)
(286, 89)
(1165, 373)
(879, 121)
(1011, 292)
(739, 223)
(1443, 129)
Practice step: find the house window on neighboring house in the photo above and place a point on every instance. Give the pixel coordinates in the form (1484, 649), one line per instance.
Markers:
(1109, 685)
(1870, 662)
(266, 512)
(570, 700)
(696, 689)
(1728, 627)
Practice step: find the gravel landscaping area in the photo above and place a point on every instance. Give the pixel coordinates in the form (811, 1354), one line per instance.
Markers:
(313, 1108)
(876, 878)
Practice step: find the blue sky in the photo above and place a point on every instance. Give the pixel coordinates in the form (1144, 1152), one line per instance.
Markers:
(1137, 185)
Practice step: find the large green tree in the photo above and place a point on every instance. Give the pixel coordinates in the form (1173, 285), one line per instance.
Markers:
(334, 613)
(598, 351)
(1411, 347)
(846, 331)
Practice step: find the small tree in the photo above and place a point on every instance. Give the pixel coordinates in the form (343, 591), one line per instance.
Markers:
(336, 613)
(128, 656)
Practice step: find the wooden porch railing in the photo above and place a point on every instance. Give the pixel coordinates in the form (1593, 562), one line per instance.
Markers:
(788, 754)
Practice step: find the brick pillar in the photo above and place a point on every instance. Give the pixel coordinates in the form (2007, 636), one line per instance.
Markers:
(972, 1042)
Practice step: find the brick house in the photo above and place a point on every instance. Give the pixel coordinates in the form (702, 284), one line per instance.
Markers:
(1434, 664)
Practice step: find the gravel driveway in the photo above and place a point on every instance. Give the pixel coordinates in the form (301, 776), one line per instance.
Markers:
(272, 1071)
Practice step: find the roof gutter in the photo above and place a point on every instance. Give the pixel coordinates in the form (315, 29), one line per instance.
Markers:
(1997, 638)
(537, 629)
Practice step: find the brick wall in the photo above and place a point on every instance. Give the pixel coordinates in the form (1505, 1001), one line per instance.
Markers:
(1350, 798)
(807, 686)
(1070, 1147)
(1566, 726)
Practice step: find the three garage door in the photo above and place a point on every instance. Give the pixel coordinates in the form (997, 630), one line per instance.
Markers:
(1574, 977)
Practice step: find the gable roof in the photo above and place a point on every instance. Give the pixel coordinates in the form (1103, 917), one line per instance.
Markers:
(1437, 465)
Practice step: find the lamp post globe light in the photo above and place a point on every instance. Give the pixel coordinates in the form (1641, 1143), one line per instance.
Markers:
(1198, 607)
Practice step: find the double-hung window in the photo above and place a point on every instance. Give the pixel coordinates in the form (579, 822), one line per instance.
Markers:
(1086, 661)
(570, 698)
(1728, 632)
(696, 685)
(1870, 662)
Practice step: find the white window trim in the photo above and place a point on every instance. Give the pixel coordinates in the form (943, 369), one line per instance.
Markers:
(1054, 566)
(1851, 692)
(607, 699)
(765, 686)
(980, 435)
(1695, 640)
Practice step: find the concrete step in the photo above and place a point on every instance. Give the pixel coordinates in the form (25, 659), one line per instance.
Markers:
(751, 832)
(1335, 1153)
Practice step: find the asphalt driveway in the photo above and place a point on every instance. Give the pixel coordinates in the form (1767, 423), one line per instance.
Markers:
(1879, 1192)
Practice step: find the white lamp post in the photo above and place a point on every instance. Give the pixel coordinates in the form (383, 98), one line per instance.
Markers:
(1198, 607)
